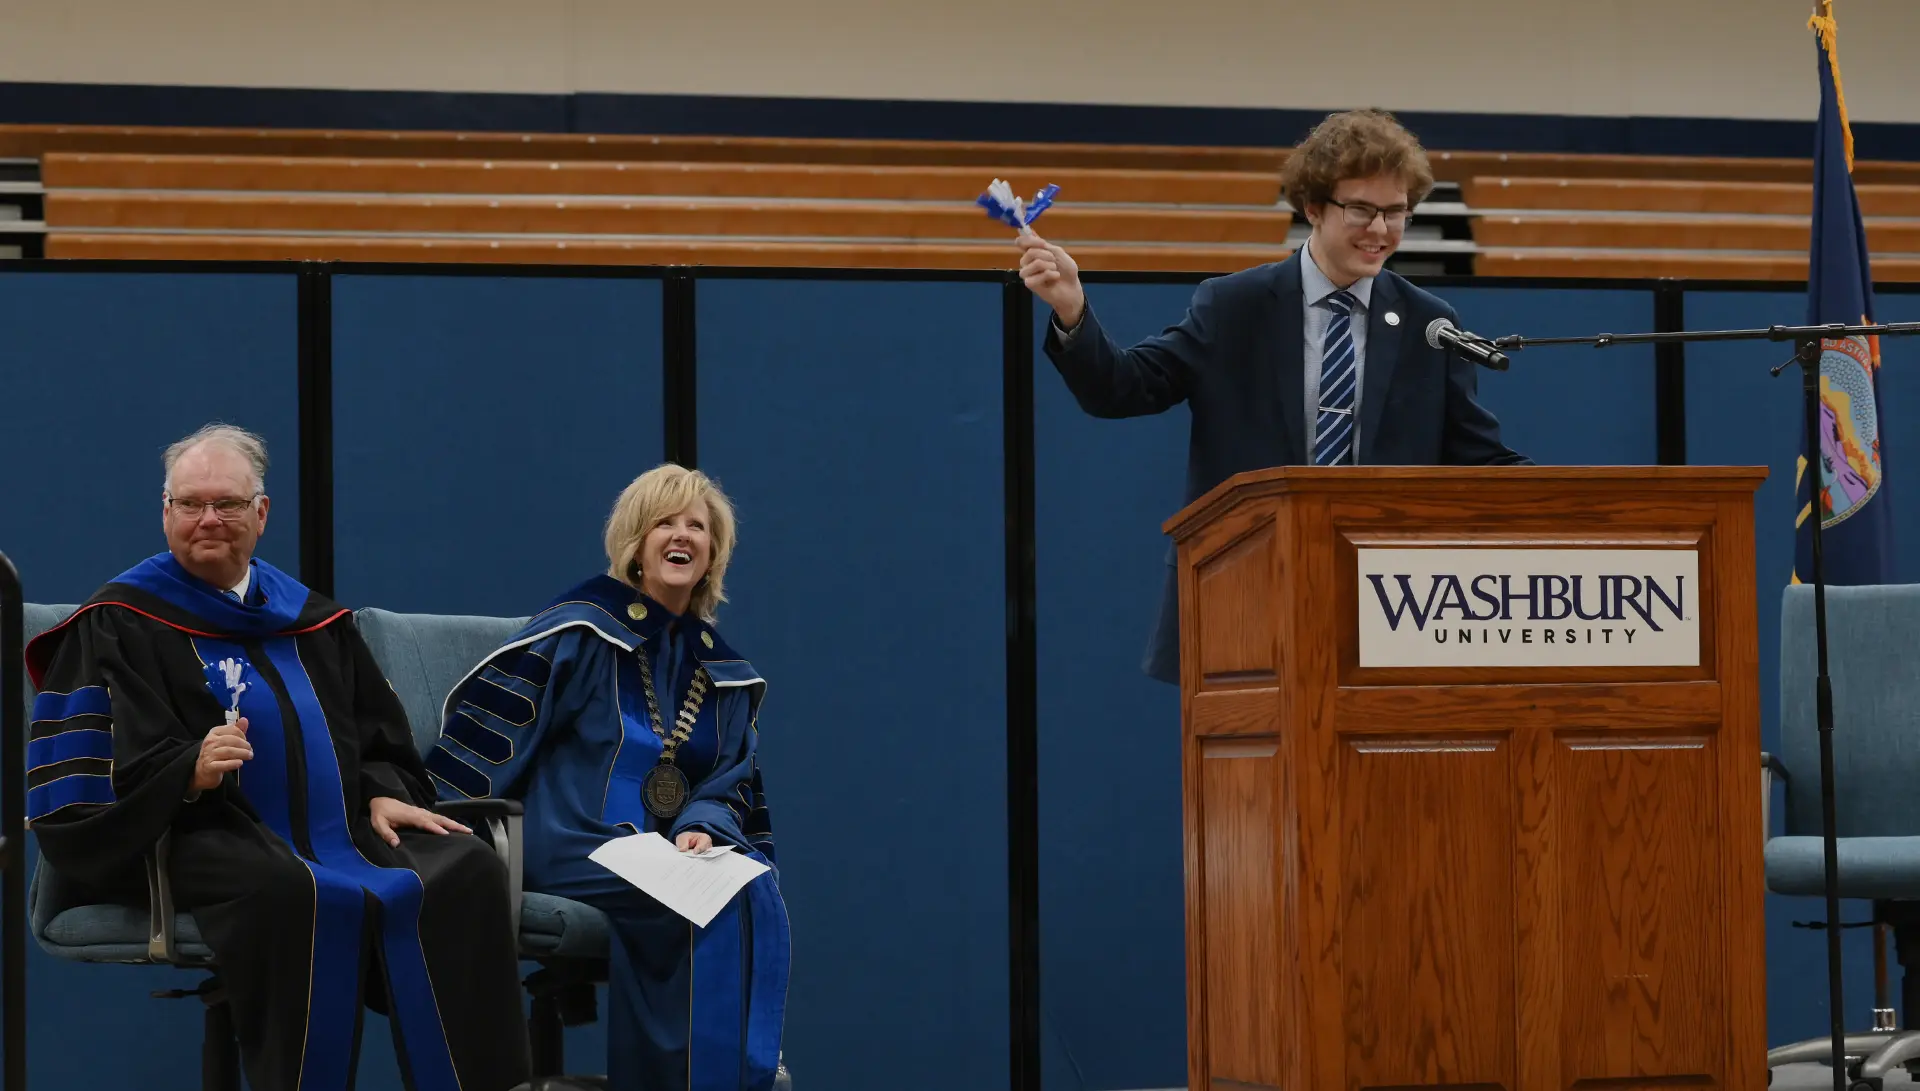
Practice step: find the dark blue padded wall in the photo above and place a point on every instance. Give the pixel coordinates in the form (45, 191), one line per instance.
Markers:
(1568, 406)
(483, 427)
(1899, 399)
(102, 372)
(1738, 415)
(1112, 904)
(857, 427)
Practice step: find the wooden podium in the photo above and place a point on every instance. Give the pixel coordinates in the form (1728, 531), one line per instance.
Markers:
(1471, 786)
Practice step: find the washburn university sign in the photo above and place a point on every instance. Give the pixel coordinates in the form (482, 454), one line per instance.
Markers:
(1452, 607)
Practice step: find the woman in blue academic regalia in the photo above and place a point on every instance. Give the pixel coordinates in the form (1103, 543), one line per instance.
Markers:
(618, 710)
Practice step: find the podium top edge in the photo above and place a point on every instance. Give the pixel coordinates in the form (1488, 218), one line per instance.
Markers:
(1365, 479)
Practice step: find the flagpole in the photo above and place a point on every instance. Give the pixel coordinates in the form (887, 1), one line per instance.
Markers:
(1808, 350)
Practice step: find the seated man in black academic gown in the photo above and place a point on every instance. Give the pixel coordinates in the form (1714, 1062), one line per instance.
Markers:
(209, 695)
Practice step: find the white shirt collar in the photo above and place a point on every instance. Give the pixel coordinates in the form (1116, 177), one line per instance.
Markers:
(246, 581)
(1317, 287)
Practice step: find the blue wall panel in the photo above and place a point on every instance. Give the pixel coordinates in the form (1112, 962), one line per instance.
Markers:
(1738, 415)
(1900, 426)
(483, 428)
(858, 428)
(1112, 909)
(1571, 406)
(102, 371)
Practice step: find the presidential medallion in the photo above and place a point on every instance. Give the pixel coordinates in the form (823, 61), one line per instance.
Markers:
(665, 791)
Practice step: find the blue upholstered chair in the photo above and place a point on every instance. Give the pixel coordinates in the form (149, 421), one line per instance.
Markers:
(1872, 635)
(423, 656)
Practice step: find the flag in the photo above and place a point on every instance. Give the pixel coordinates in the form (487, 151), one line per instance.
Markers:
(1855, 508)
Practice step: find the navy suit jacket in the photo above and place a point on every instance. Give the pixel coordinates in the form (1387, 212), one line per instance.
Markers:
(1238, 360)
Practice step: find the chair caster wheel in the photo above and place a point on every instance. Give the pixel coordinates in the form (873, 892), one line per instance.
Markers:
(1867, 1083)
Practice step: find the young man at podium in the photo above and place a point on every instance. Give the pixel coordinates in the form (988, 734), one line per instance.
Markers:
(1321, 359)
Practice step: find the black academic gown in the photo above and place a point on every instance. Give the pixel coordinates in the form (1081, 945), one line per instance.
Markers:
(308, 912)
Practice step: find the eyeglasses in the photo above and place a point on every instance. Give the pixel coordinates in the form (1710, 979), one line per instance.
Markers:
(1361, 214)
(228, 510)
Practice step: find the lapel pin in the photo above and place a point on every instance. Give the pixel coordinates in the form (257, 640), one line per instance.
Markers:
(1393, 319)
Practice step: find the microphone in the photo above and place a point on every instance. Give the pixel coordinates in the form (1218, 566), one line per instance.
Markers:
(1442, 334)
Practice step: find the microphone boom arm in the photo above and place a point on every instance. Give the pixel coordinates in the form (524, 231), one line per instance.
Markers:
(1515, 342)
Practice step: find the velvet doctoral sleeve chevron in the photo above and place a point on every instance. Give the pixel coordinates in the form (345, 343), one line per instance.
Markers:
(110, 757)
(500, 716)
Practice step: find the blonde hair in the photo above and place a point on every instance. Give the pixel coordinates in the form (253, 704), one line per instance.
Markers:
(661, 493)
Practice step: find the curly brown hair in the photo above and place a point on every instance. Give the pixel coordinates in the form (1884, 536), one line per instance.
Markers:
(1354, 144)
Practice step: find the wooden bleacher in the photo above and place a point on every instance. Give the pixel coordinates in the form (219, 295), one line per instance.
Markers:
(1535, 226)
(70, 170)
(1466, 166)
(36, 140)
(111, 192)
(195, 193)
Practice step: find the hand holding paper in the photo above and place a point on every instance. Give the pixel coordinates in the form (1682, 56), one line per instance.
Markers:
(695, 885)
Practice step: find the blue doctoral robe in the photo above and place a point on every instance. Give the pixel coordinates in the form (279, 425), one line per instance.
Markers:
(558, 718)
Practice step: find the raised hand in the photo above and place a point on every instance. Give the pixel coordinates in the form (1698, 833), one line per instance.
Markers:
(1050, 273)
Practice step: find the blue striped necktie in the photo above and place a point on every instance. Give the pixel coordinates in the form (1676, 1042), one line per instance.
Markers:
(1333, 428)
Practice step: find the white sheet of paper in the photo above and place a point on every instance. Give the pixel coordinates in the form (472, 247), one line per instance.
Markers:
(697, 887)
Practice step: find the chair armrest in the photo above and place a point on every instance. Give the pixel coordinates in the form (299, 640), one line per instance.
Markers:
(1773, 765)
(162, 944)
(480, 808)
(1770, 767)
(502, 819)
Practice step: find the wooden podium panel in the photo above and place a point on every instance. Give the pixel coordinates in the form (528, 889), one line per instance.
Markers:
(1479, 874)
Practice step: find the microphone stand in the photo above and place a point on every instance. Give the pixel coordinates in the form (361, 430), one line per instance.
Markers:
(1806, 352)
